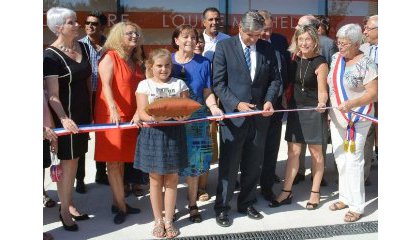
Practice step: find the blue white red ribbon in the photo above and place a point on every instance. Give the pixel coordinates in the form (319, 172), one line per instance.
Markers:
(85, 128)
(368, 117)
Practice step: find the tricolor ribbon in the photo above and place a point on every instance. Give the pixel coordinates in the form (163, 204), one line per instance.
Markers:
(368, 117)
(353, 116)
(85, 128)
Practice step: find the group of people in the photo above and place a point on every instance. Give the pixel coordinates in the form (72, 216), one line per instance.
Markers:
(254, 70)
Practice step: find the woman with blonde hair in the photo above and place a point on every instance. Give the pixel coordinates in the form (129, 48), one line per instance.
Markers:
(162, 150)
(119, 75)
(309, 75)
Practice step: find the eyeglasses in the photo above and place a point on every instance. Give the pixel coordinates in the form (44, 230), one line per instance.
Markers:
(130, 34)
(72, 23)
(370, 29)
(87, 23)
(342, 44)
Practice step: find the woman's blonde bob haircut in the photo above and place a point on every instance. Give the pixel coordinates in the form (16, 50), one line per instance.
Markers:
(115, 41)
(294, 48)
(153, 55)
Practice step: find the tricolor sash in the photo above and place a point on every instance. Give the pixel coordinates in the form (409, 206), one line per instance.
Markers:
(341, 96)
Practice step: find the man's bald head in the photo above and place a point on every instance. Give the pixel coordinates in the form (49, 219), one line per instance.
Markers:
(308, 20)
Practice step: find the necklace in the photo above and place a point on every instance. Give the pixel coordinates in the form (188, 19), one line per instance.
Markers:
(66, 49)
(182, 74)
(302, 80)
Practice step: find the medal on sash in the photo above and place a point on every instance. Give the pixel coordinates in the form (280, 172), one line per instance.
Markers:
(341, 96)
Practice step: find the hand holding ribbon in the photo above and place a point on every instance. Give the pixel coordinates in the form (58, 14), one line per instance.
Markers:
(321, 107)
(345, 106)
(136, 120)
(69, 125)
(216, 111)
(268, 109)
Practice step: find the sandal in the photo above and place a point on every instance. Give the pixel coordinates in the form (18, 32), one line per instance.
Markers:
(338, 206)
(195, 215)
(159, 228)
(171, 230)
(313, 206)
(352, 216)
(274, 203)
(137, 190)
(48, 202)
(202, 195)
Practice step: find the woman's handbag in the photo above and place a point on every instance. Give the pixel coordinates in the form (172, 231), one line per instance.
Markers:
(55, 170)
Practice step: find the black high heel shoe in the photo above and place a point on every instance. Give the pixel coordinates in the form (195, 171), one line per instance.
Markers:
(313, 206)
(288, 200)
(71, 228)
(81, 217)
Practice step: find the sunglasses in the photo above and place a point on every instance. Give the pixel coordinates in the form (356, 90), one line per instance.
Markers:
(91, 23)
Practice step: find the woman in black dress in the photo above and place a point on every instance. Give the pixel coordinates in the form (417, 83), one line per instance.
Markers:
(309, 73)
(67, 72)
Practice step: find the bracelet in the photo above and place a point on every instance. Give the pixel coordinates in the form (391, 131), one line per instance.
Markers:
(213, 105)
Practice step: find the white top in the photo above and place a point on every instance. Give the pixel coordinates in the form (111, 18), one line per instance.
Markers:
(370, 51)
(154, 90)
(355, 79)
(210, 44)
(253, 55)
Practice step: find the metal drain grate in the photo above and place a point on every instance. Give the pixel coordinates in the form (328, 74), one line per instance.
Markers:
(297, 233)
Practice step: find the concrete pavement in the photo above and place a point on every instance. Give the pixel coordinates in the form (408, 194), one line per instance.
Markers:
(97, 203)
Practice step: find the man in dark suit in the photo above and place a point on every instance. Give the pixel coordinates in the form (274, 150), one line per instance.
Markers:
(272, 143)
(245, 77)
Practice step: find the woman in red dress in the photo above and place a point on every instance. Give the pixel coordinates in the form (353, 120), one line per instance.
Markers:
(119, 74)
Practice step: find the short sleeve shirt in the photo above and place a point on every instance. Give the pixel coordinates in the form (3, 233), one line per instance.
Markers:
(355, 79)
(154, 90)
(197, 75)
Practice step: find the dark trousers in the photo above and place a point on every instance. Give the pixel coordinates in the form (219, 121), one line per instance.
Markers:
(134, 176)
(271, 151)
(80, 174)
(100, 166)
(100, 170)
(242, 146)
